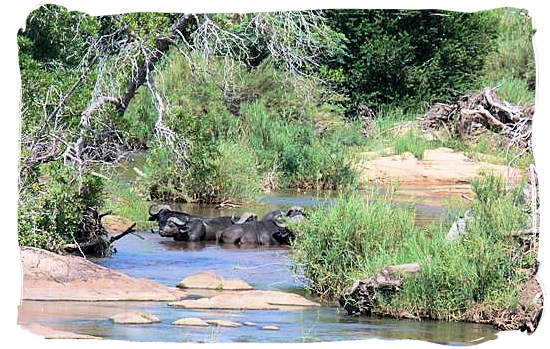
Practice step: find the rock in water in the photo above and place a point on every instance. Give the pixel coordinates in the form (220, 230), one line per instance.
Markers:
(270, 328)
(190, 321)
(250, 323)
(210, 280)
(134, 318)
(224, 323)
(50, 276)
(251, 300)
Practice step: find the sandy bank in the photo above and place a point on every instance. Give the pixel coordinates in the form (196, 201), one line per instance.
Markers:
(441, 166)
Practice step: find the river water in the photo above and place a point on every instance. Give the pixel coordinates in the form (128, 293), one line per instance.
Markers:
(168, 261)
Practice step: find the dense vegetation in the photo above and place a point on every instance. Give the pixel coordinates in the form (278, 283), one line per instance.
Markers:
(357, 237)
(243, 119)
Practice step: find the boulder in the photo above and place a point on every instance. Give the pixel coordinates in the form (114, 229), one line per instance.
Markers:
(223, 323)
(50, 276)
(247, 300)
(134, 318)
(190, 321)
(210, 280)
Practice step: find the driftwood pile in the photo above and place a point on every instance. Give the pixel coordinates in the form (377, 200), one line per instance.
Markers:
(95, 240)
(364, 295)
(480, 112)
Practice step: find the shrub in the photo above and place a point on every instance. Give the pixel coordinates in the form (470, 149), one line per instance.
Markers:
(52, 208)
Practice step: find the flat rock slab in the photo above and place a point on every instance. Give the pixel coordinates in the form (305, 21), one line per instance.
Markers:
(247, 300)
(223, 323)
(50, 333)
(49, 276)
(270, 328)
(191, 321)
(212, 281)
(134, 318)
(438, 166)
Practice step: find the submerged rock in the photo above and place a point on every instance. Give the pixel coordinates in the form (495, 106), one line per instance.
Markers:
(134, 318)
(210, 280)
(190, 321)
(50, 333)
(247, 300)
(223, 323)
(50, 276)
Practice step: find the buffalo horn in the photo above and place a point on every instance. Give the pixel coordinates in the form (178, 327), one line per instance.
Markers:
(176, 221)
(155, 209)
(244, 218)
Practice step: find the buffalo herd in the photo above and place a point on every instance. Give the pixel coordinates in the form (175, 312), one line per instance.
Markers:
(247, 229)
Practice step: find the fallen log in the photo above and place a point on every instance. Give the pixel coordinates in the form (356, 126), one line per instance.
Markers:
(364, 295)
(481, 112)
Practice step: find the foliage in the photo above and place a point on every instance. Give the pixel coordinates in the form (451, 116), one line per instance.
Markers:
(511, 64)
(401, 56)
(358, 236)
(53, 208)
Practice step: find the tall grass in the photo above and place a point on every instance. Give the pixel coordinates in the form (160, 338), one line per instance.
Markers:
(356, 237)
(411, 141)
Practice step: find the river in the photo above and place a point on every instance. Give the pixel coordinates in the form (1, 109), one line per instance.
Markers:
(168, 262)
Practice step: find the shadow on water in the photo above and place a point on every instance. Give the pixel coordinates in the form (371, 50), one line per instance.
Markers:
(269, 268)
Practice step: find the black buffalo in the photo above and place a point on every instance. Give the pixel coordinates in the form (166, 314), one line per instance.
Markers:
(182, 226)
(270, 230)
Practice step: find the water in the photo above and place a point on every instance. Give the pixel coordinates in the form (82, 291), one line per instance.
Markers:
(168, 261)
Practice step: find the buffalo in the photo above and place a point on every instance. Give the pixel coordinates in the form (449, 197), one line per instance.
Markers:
(182, 226)
(270, 230)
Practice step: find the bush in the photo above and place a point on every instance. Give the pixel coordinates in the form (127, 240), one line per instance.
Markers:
(356, 237)
(52, 208)
(399, 56)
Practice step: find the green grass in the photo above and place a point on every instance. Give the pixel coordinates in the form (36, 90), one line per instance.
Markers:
(413, 142)
(124, 201)
(358, 236)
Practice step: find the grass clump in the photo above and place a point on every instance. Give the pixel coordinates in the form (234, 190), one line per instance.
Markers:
(356, 237)
(125, 201)
(413, 142)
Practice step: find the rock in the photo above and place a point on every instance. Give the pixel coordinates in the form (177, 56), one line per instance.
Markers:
(190, 321)
(270, 328)
(459, 227)
(249, 300)
(49, 276)
(134, 318)
(250, 323)
(50, 333)
(210, 280)
(362, 297)
(224, 323)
